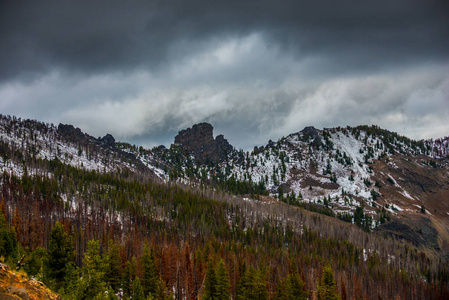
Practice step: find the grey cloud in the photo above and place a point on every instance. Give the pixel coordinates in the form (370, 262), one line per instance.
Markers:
(414, 103)
(143, 70)
(103, 36)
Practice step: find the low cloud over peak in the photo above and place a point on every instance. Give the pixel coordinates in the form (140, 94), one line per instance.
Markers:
(256, 70)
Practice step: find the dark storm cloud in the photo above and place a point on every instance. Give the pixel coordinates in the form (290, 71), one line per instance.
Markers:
(100, 36)
(256, 70)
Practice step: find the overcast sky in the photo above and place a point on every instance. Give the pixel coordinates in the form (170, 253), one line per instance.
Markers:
(255, 70)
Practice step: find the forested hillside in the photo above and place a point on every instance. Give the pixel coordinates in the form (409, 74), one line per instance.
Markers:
(92, 220)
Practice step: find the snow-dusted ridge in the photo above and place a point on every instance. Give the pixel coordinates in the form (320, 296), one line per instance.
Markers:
(340, 168)
(44, 141)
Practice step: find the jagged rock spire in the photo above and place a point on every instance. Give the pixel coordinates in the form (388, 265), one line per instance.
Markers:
(199, 140)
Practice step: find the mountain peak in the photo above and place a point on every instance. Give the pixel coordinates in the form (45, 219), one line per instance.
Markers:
(108, 140)
(199, 140)
(313, 133)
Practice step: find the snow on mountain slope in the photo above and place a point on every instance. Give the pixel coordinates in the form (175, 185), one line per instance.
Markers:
(347, 171)
(439, 147)
(29, 139)
(333, 170)
(342, 169)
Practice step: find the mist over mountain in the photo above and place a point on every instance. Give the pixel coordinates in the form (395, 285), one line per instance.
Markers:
(256, 71)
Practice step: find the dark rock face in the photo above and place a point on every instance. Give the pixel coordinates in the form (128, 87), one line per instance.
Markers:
(75, 135)
(199, 140)
(71, 133)
(313, 133)
(108, 140)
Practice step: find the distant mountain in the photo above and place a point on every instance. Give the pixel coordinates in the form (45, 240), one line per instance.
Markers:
(364, 187)
(336, 171)
(28, 140)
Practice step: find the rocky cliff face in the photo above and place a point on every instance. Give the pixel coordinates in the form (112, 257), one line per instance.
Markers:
(199, 140)
(71, 133)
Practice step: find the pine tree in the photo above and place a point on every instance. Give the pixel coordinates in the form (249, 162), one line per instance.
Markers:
(35, 262)
(252, 285)
(223, 285)
(60, 254)
(91, 285)
(150, 277)
(71, 281)
(138, 293)
(113, 272)
(239, 291)
(327, 287)
(128, 276)
(260, 286)
(210, 283)
(8, 239)
(292, 287)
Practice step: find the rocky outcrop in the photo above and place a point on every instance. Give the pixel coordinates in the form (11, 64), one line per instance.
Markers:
(199, 140)
(104, 147)
(313, 133)
(107, 140)
(75, 135)
(15, 286)
(70, 133)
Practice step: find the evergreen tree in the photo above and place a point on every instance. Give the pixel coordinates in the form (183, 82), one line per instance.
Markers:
(138, 293)
(260, 286)
(210, 283)
(252, 285)
(292, 287)
(162, 293)
(150, 279)
(128, 276)
(296, 287)
(60, 254)
(35, 262)
(113, 272)
(91, 285)
(72, 281)
(8, 239)
(223, 285)
(111, 295)
(327, 287)
(241, 283)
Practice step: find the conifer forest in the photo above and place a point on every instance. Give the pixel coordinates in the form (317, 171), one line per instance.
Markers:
(121, 233)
